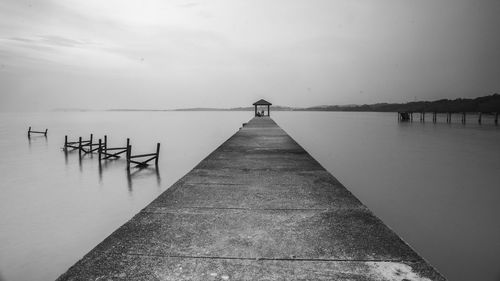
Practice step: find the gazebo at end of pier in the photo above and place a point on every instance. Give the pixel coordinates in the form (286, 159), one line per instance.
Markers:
(262, 103)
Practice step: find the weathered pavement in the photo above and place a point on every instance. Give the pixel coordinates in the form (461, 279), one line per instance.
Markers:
(257, 208)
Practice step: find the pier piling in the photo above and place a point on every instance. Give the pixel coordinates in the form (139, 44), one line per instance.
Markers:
(90, 142)
(99, 151)
(106, 144)
(80, 146)
(157, 153)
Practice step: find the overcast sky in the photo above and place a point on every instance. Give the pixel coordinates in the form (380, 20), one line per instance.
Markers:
(104, 54)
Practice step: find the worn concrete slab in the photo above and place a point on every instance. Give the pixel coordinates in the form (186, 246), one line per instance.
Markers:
(258, 208)
(146, 267)
(260, 161)
(254, 196)
(263, 177)
(271, 234)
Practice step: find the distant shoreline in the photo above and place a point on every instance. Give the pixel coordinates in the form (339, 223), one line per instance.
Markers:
(489, 103)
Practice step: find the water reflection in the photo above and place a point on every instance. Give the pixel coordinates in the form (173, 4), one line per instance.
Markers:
(37, 138)
(104, 165)
(141, 172)
(67, 152)
(80, 160)
(100, 171)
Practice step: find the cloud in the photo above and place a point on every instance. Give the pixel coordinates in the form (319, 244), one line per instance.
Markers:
(61, 41)
(52, 40)
(55, 52)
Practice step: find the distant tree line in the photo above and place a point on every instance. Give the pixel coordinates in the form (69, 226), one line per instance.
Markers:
(489, 103)
(484, 104)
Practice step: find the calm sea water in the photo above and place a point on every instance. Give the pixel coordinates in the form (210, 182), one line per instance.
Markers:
(437, 185)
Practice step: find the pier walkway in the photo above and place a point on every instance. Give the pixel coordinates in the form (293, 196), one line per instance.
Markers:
(259, 207)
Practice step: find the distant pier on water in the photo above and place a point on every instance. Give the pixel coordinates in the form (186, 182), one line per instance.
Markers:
(447, 116)
(259, 207)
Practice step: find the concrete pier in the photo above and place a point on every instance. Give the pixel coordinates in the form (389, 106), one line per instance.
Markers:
(259, 207)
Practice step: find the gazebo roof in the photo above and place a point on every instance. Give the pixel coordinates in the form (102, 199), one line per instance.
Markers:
(262, 102)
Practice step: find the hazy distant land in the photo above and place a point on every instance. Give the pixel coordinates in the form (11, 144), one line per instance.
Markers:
(489, 103)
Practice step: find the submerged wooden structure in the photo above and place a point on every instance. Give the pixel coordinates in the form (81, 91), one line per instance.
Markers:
(146, 158)
(259, 207)
(105, 152)
(37, 132)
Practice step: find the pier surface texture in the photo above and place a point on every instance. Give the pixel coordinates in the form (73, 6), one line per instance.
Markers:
(259, 207)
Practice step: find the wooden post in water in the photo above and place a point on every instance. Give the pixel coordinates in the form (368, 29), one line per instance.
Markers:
(99, 151)
(129, 152)
(434, 117)
(46, 130)
(105, 144)
(479, 118)
(411, 116)
(29, 132)
(91, 139)
(65, 141)
(80, 146)
(496, 118)
(463, 118)
(157, 154)
(423, 116)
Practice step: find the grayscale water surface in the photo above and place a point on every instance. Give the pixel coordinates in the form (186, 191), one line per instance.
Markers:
(54, 209)
(436, 185)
